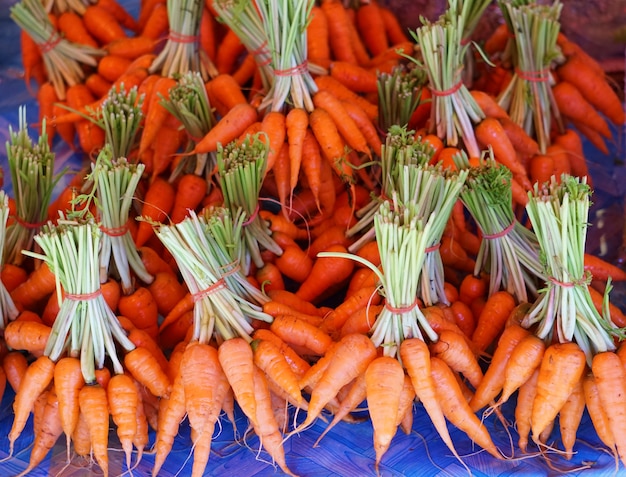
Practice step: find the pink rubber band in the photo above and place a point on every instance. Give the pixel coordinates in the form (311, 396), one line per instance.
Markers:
(500, 234)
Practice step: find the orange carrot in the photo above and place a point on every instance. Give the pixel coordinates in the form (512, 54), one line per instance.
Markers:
(229, 50)
(68, 379)
(94, 407)
(274, 125)
(228, 128)
(396, 34)
(40, 284)
(156, 23)
(141, 339)
(300, 333)
(131, 47)
(145, 368)
(489, 105)
(594, 88)
(599, 417)
(493, 380)
(524, 359)
(123, 400)
(190, 190)
(295, 303)
(523, 143)
(492, 319)
(30, 336)
(573, 105)
(571, 141)
(38, 375)
(351, 357)
(172, 413)
(332, 85)
(318, 45)
(454, 350)
(326, 273)
(120, 13)
(339, 30)
(523, 409)
(371, 27)
(270, 278)
(569, 418)
(296, 122)
(384, 380)
(354, 76)
(294, 263)
(600, 269)
(561, 369)
(610, 378)
(490, 132)
(156, 113)
(237, 360)
(158, 203)
(140, 308)
(224, 93)
(14, 365)
(102, 25)
(269, 359)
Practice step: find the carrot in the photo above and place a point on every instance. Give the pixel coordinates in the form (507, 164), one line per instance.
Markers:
(339, 31)
(48, 432)
(598, 415)
(336, 319)
(38, 375)
(600, 269)
(318, 41)
(237, 361)
(145, 368)
(274, 125)
(167, 291)
(593, 87)
(493, 380)
(131, 47)
(343, 121)
(97, 85)
(453, 349)
(541, 168)
(228, 128)
(172, 413)
(224, 93)
(523, 143)
(157, 204)
(30, 336)
(68, 379)
(573, 105)
(156, 23)
(342, 92)
(561, 369)
(156, 113)
(32, 60)
(326, 273)
(524, 359)
(454, 255)
(361, 321)
(12, 276)
(384, 380)
(266, 425)
(456, 409)
(123, 400)
(190, 190)
(355, 77)
(102, 25)
(296, 122)
(71, 25)
(275, 309)
(294, 263)
(300, 333)
(610, 377)
(298, 365)
(569, 418)
(281, 172)
(14, 366)
(350, 359)
(142, 339)
(371, 27)
(120, 13)
(154, 262)
(571, 141)
(270, 278)
(523, 409)
(492, 319)
(94, 407)
(490, 132)
(269, 359)
(205, 387)
(229, 50)
(396, 33)
(141, 308)
(40, 284)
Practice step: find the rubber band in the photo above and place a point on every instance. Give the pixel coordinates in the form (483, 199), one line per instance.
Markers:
(114, 231)
(447, 92)
(293, 71)
(263, 53)
(534, 76)
(402, 309)
(50, 43)
(182, 38)
(432, 248)
(500, 234)
(580, 282)
(199, 295)
(84, 296)
(252, 217)
(234, 268)
(29, 225)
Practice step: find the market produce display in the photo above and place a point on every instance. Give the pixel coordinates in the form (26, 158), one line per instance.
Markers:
(291, 215)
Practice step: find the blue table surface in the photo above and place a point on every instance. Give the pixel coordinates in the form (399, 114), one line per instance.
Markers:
(347, 450)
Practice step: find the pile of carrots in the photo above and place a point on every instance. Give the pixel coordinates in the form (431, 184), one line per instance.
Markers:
(315, 355)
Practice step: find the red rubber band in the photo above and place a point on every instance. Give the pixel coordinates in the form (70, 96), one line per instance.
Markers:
(447, 92)
(181, 38)
(50, 43)
(234, 269)
(432, 248)
(210, 289)
(29, 225)
(115, 231)
(293, 71)
(534, 76)
(500, 234)
(84, 296)
(401, 309)
(253, 216)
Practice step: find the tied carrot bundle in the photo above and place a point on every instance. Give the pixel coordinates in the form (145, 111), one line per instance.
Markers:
(31, 166)
(509, 252)
(63, 60)
(241, 170)
(528, 96)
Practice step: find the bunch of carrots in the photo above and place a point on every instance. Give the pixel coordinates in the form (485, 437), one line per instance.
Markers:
(300, 84)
